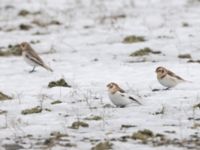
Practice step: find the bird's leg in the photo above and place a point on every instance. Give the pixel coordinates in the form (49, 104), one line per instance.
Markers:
(121, 106)
(33, 70)
(167, 89)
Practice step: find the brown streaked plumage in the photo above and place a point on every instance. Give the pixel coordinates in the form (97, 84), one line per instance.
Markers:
(118, 96)
(167, 78)
(113, 88)
(31, 57)
(162, 72)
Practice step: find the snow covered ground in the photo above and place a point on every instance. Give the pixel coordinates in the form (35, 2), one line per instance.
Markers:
(85, 39)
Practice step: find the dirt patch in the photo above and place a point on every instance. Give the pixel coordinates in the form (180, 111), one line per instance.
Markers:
(193, 61)
(25, 27)
(133, 39)
(125, 126)
(103, 146)
(43, 24)
(60, 82)
(144, 51)
(185, 24)
(147, 136)
(96, 118)
(13, 147)
(4, 97)
(33, 110)
(142, 135)
(56, 102)
(25, 13)
(185, 56)
(11, 50)
(77, 124)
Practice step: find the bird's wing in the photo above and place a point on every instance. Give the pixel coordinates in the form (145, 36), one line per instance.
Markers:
(174, 75)
(35, 57)
(125, 95)
(133, 99)
(121, 90)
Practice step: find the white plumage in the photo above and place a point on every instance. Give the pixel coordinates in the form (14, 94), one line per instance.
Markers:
(167, 78)
(28, 61)
(119, 97)
(31, 57)
(169, 81)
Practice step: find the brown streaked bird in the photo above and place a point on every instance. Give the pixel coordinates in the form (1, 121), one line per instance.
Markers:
(119, 97)
(32, 58)
(167, 78)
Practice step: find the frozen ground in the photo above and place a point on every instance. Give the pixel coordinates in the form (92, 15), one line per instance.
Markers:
(88, 53)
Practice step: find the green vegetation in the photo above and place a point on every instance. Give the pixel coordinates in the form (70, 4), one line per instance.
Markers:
(133, 39)
(77, 124)
(56, 102)
(94, 118)
(144, 51)
(184, 56)
(11, 50)
(33, 110)
(103, 146)
(60, 82)
(4, 97)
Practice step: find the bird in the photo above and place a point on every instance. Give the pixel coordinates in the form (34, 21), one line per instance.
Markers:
(31, 57)
(167, 78)
(119, 97)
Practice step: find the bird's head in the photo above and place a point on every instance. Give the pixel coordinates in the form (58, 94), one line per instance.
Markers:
(24, 46)
(161, 72)
(113, 87)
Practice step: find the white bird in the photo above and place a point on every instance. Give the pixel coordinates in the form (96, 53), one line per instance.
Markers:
(167, 78)
(31, 57)
(119, 97)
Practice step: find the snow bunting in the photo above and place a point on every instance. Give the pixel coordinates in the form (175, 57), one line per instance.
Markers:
(31, 57)
(167, 78)
(119, 97)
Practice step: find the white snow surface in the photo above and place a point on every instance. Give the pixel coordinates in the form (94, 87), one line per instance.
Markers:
(89, 53)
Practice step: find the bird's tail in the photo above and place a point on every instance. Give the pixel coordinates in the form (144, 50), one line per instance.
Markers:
(187, 81)
(47, 67)
(138, 102)
(133, 99)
